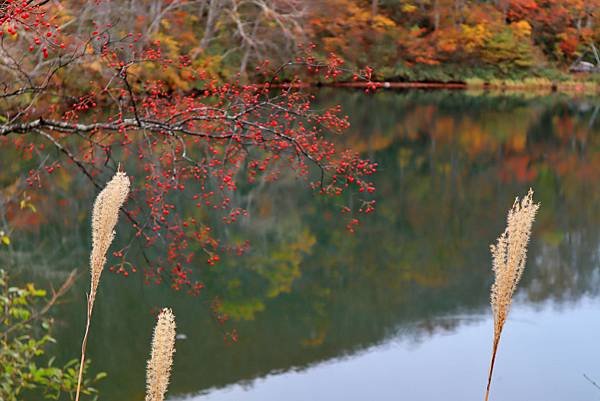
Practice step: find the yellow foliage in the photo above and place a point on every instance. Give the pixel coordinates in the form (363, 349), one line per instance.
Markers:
(408, 8)
(474, 36)
(165, 23)
(5, 239)
(521, 28)
(474, 138)
(382, 22)
(283, 265)
(242, 310)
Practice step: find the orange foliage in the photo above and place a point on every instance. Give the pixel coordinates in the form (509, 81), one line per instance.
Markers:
(525, 33)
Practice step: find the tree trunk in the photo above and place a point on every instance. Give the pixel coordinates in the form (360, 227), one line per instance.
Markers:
(211, 20)
(436, 15)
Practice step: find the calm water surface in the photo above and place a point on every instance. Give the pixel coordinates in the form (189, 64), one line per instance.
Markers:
(400, 310)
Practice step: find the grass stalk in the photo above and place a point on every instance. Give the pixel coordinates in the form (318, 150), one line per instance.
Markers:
(509, 255)
(105, 215)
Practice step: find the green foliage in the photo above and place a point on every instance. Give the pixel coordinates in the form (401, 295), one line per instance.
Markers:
(24, 335)
(508, 51)
(242, 309)
(468, 74)
(475, 82)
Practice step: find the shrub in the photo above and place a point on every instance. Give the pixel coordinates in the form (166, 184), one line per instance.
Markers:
(25, 332)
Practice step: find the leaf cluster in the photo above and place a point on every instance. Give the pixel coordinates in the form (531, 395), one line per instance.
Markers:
(25, 334)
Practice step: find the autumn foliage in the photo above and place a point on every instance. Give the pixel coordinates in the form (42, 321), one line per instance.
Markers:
(457, 37)
(201, 106)
(402, 39)
(93, 96)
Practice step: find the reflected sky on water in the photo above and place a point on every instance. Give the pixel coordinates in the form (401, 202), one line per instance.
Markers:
(449, 365)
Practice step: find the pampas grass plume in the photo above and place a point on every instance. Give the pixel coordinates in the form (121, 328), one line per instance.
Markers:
(104, 219)
(161, 358)
(105, 215)
(509, 255)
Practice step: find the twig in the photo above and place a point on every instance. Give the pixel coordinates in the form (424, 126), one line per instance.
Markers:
(67, 284)
(591, 381)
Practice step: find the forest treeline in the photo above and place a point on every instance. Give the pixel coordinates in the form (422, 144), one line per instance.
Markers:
(459, 39)
(404, 40)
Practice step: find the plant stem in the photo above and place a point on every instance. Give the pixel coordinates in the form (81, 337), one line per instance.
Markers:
(494, 350)
(90, 305)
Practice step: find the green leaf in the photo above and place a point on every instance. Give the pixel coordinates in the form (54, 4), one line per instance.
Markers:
(100, 376)
(20, 313)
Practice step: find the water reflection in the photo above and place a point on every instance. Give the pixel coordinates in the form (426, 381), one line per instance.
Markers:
(417, 271)
(449, 365)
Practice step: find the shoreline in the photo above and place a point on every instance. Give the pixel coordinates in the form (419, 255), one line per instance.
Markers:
(535, 84)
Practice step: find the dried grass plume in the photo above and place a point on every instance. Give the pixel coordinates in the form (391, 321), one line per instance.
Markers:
(104, 220)
(509, 256)
(161, 358)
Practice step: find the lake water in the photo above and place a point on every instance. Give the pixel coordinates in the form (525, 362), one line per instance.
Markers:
(399, 310)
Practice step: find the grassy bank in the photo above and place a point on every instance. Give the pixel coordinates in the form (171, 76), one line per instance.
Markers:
(534, 84)
(452, 76)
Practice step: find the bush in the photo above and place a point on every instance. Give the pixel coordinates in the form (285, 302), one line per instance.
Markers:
(24, 335)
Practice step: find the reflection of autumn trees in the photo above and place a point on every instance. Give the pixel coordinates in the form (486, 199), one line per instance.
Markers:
(442, 192)
(444, 174)
(306, 290)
